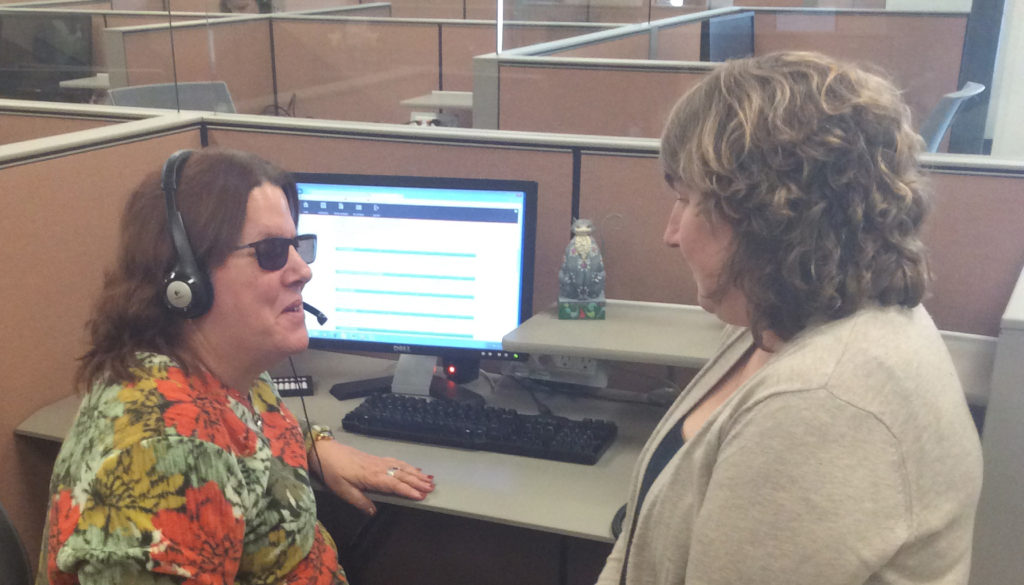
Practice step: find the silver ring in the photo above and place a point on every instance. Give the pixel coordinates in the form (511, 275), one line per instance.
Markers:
(392, 470)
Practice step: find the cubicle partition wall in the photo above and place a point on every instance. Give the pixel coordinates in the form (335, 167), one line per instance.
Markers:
(29, 120)
(439, 153)
(64, 4)
(604, 11)
(62, 200)
(975, 241)
(875, 4)
(613, 67)
(235, 50)
(362, 68)
(355, 69)
(973, 234)
(920, 51)
(373, 9)
(461, 41)
(599, 96)
(327, 67)
(596, 11)
(70, 193)
(210, 6)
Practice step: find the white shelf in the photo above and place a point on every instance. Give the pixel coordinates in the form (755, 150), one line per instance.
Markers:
(632, 331)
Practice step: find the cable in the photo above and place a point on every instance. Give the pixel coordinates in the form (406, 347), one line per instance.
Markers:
(489, 377)
(530, 386)
(174, 65)
(309, 425)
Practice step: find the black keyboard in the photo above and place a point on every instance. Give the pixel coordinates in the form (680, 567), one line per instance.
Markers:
(484, 428)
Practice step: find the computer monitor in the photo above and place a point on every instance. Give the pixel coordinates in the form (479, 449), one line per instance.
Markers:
(730, 36)
(419, 265)
(38, 51)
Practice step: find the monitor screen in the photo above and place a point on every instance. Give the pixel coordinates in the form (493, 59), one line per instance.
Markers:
(38, 51)
(730, 36)
(418, 265)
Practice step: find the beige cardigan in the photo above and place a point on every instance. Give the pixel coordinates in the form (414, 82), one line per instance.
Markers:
(849, 458)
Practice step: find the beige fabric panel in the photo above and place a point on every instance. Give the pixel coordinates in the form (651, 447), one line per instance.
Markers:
(459, 44)
(15, 128)
(63, 225)
(977, 249)
(627, 199)
(679, 43)
(552, 170)
(861, 4)
(487, 10)
(618, 103)
(149, 5)
(295, 5)
(549, 12)
(236, 52)
(193, 5)
(975, 243)
(428, 9)
(906, 46)
(351, 70)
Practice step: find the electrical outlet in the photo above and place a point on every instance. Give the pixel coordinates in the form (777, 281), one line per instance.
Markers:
(574, 363)
(561, 368)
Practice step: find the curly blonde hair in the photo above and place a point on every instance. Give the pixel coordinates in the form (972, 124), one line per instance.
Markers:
(813, 163)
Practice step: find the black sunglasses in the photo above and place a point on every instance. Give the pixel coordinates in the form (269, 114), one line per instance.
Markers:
(272, 253)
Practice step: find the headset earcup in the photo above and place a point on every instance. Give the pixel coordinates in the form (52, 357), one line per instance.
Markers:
(187, 290)
(187, 295)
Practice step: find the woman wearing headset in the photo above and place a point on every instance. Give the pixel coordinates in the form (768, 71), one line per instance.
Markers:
(183, 465)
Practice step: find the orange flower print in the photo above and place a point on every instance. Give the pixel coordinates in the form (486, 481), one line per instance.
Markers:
(320, 567)
(285, 438)
(202, 540)
(202, 412)
(63, 519)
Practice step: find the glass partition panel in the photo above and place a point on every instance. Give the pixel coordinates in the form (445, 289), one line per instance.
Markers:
(412, 61)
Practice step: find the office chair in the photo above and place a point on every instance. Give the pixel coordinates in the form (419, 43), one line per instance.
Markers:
(14, 568)
(212, 96)
(940, 118)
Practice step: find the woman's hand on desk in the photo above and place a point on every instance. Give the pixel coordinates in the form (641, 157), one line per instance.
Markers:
(349, 472)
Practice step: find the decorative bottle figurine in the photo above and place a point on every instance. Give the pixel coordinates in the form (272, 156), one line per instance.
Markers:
(581, 277)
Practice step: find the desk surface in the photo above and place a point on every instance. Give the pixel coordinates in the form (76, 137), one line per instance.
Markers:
(562, 498)
(98, 81)
(437, 99)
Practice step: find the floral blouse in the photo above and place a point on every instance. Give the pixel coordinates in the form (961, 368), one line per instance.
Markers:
(176, 479)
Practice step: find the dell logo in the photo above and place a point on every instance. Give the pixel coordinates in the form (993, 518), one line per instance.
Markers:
(401, 348)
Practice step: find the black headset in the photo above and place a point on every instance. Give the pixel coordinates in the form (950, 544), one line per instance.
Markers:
(187, 289)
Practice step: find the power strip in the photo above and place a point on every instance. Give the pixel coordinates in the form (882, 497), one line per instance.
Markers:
(560, 368)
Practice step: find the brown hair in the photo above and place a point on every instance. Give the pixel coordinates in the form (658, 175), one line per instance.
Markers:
(813, 163)
(130, 315)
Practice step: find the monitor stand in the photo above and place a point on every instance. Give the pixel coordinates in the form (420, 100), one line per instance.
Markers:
(414, 374)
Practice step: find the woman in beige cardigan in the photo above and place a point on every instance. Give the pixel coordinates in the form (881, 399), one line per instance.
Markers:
(828, 441)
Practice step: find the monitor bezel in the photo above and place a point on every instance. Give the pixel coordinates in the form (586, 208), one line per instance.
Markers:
(529, 190)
